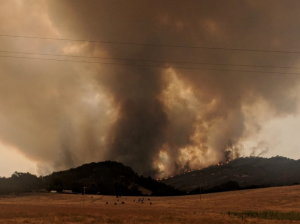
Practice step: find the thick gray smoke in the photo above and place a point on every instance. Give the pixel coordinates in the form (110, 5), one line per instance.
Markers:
(157, 120)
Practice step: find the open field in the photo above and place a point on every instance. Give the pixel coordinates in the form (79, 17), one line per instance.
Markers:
(213, 208)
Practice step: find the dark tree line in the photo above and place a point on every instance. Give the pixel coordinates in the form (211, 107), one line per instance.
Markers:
(109, 178)
(20, 183)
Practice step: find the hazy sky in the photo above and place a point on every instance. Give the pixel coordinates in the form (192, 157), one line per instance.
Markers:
(56, 114)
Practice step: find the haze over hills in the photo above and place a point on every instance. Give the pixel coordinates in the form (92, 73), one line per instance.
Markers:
(247, 172)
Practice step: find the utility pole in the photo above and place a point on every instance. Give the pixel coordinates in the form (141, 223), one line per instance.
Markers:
(200, 192)
(84, 194)
(199, 186)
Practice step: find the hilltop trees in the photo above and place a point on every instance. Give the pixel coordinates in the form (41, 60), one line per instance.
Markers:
(110, 178)
(20, 182)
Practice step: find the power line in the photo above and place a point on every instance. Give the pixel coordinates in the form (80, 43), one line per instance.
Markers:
(150, 60)
(154, 66)
(153, 45)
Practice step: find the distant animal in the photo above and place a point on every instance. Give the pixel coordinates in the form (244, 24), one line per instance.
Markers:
(115, 203)
(107, 203)
(133, 200)
(148, 199)
(123, 202)
(150, 203)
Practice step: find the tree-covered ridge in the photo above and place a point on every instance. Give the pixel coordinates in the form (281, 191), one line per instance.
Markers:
(247, 172)
(113, 178)
(20, 182)
(107, 177)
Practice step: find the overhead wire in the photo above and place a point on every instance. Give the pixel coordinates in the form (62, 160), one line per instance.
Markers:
(149, 60)
(154, 66)
(152, 45)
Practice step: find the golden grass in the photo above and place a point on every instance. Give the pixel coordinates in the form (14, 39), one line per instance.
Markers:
(277, 215)
(213, 208)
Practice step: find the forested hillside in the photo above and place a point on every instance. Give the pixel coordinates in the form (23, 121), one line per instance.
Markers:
(247, 172)
(108, 177)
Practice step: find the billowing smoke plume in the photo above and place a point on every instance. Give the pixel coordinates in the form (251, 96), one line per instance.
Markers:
(157, 120)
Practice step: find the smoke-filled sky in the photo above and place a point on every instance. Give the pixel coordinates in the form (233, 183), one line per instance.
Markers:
(157, 117)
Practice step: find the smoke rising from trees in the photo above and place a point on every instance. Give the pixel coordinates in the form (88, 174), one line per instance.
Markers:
(157, 120)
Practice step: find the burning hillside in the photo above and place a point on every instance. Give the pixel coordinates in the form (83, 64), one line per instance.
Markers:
(251, 171)
(166, 87)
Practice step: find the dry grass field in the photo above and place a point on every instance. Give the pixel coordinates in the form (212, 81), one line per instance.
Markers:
(213, 208)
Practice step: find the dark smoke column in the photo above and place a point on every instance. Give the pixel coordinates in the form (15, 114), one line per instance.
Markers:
(208, 109)
(139, 131)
